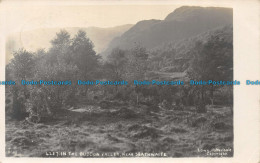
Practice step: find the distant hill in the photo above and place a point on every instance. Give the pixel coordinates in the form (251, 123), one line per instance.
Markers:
(173, 60)
(40, 38)
(182, 23)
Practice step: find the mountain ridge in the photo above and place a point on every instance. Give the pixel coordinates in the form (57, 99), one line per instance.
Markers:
(182, 23)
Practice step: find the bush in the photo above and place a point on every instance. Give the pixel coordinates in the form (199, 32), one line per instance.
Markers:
(224, 96)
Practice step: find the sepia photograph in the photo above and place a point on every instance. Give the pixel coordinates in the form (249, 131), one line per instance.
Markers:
(120, 81)
(99, 102)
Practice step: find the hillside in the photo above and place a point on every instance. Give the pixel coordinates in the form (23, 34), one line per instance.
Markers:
(183, 23)
(173, 60)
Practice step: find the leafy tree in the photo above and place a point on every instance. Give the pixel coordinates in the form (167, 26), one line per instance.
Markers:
(117, 63)
(21, 67)
(138, 63)
(212, 60)
(54, 65)
(55, 97)
(59, 51)
(137, 67)
(83, 54)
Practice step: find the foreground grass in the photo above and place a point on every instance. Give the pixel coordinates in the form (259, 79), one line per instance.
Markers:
(125, 131)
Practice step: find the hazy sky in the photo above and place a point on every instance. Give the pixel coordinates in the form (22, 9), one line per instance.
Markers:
(24, 17)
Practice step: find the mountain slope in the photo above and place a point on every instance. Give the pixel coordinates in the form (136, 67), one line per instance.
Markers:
(183, 23)
(175, 59)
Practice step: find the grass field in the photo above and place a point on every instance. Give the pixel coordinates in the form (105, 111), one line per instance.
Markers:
(124, 132)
